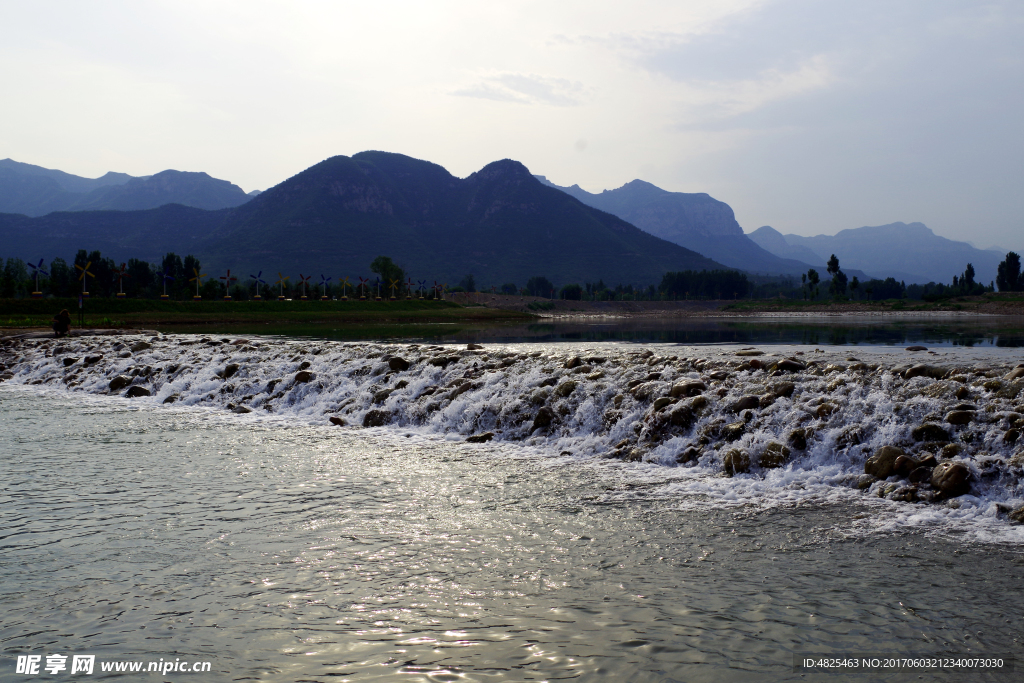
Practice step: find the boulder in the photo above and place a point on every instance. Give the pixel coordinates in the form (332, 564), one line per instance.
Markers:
(480, 438)
(787, 365)
(798, 438)
(960, 417)
(690, 454)
(140, 346)
(69, 361)
(681, 416)
(229, 370)
(962, 393)
(573, 362)
(774, 455)
(375, 418)
(929, 431)
(382, 395)
(241, 410)
(733, 431)
(881, 464)
(137, 392)
(119, 382)
(826, 409)
(543, 419)
(691, 388)
(904, 465)
(746, 403)
(783, 389)
(719, 375)
(920, 475)
(303, 376)
(474, 347)
(336, 421)
(92, 360)
(565, 388)
(951, 479)
(645, 391)
(865, 481)
(443, 361)
(662, 402)
(171, 399)
(1011, 436)
(398, 364)
(1016, 373)
(735, 462)
(917, 348)
(924, 370)
(750, 353)
(1016, 515)
(949, 451)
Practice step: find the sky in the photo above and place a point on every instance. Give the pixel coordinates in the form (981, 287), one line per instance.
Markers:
(807, 115)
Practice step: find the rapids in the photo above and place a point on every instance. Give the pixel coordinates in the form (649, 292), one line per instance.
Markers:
(769, 426)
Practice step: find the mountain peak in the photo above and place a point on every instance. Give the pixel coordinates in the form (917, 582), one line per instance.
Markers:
(504, 169)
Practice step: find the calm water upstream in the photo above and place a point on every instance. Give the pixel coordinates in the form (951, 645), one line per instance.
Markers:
(282, 550)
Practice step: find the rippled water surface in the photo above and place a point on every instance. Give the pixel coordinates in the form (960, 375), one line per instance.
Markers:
(292, 552)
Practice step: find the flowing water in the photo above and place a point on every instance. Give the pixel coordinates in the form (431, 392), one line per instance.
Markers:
(278, 546)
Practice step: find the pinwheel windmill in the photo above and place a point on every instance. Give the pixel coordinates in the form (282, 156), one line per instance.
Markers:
(166, 276)
(36, 269)
(227, 284)
(437, 290)
(408, 288)
(362, 288)
(305, 279)
(323, 283)
(422, 284)
(121, 274)
(197, 279)
(259, 280)
(85, 271)
(280, 281)
(376, 284)
(394, 284)
(344, 289)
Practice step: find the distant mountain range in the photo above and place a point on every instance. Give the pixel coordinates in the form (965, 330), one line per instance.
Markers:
(909, 252)
(37, 191)
(500, 224)
(696, 221)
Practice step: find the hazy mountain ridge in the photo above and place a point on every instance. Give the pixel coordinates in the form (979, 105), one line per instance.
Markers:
(37, 191)
(334, 218)
(696, 221)
(910, 252)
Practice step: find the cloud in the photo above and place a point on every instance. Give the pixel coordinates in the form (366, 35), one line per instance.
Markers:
(526, 89)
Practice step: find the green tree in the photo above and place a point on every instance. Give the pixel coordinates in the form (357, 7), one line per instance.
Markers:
(1008, 274)
(539, 286)
(62, 280)
(467, 284)
(388, 271)
(854, 286)
(571, 292)
(813, 279)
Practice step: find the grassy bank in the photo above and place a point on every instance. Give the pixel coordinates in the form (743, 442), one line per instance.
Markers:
(31, 313)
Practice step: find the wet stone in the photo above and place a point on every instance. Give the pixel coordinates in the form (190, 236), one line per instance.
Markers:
(480, 438)
(929, 432)
(688, 455)
(951, 479)
(733, 431)
(960, 417)
(137, 392)
(775, 455)
(881, 464)
(746, 403)
(119, 382)
(375, 418)
(336, 421)
(398, 364)
(735, 462)
(545, 416)
(303, 376)
(686, 389)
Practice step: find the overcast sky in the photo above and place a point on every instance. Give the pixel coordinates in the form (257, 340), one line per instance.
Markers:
(810, 116)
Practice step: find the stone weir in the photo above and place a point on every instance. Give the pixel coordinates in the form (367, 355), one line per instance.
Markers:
(913, 432)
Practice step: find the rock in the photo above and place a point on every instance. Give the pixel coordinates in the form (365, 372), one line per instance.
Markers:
(1016, 373)
(783, 389)
(906, 494)
(681, 416)
(662, 402)
(137, 392)
(480, 438)
(242, 410)
(303, 376)
(573, 362)
(929, 431)
(545, 416)
(733, 431)
(565, 388)
(865, 481)
(904, 465)
(68, 362)
(140, 346)
(461, 389)
(962, 393)
(920, 475)
(171, 399)
(719, 375)
(881, 464)
(595, 360)
(960, 417)
(119, 382)
(924, 370)
(774, 455)
(548, 382)
(92, 360)
(634, 455)
(336, 421)
(229, 370)
(917, 348)
(755, 364)
(382, 395)
(125, 354)
(304, 365)
(691, 454)
(767, 400)
(826, 409)
(850, 436)
(750, 353)
(375, 418)
(787, 365)
(1016, 516)
(798, 438)
(398, 364)
(736, 462)
(473, 347)
(691, 388)
(746, 403)
(951, 479)
(443, 361)
(949, 451)
(643, 392)
(1011, 436)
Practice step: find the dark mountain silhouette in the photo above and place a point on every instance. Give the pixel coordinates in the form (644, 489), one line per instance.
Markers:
(909, 252)
(500, 224)
(36, 191)
(696, 221)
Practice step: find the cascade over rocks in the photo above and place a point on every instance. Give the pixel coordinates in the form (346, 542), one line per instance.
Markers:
(915, 440)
